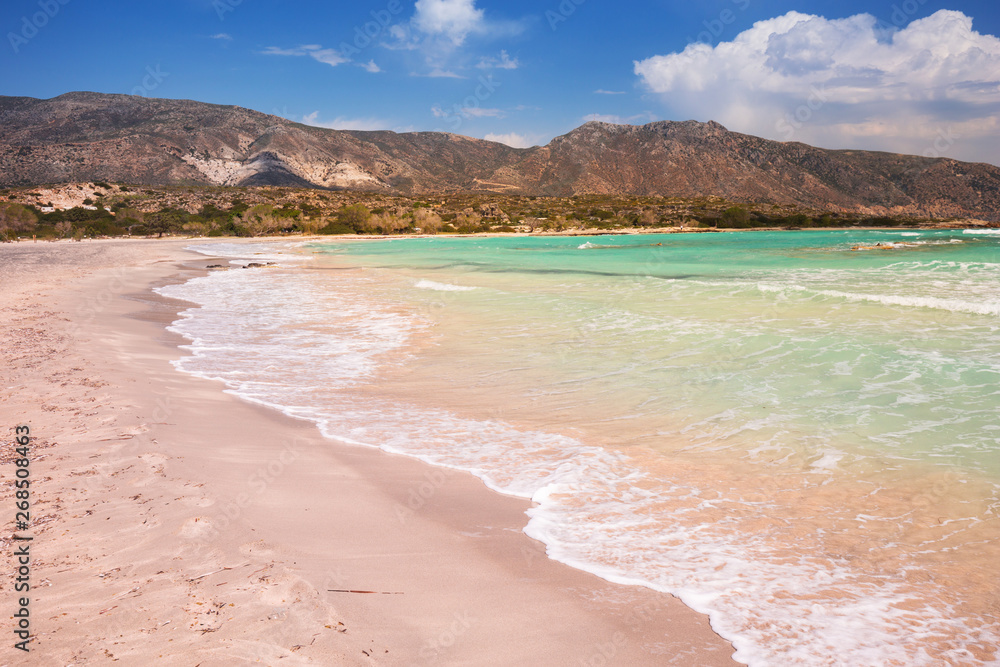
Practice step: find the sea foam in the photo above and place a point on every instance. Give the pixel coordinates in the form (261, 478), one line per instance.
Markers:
(302, 343)
(442, 287)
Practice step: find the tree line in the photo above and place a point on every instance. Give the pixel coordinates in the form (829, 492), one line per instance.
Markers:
(243, 219)
(20, 221)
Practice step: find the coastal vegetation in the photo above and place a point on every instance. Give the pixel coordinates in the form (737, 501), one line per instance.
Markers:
(100, 209)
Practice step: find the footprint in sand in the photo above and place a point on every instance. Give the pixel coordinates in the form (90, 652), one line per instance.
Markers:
(196, 527)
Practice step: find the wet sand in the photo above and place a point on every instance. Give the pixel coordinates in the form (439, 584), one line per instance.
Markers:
(175, 523)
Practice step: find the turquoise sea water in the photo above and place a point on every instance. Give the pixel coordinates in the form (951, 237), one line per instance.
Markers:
(795, 432)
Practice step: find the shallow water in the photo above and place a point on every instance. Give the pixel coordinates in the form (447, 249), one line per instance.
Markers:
(795, 437)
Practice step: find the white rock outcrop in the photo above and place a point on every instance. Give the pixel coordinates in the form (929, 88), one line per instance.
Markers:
(324, 174)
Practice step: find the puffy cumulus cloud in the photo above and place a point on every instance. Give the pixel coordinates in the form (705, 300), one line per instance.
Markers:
(452, 19)
(512, 139)
(440, 30)
(932, 87)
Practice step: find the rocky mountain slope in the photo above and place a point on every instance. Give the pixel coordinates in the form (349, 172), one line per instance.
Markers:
(91, 136)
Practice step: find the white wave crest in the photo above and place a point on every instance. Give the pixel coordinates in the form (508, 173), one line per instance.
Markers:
(443, 287)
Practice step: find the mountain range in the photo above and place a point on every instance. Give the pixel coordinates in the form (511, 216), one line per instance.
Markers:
(97, 137)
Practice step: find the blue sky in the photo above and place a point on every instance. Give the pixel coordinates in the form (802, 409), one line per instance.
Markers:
(917, 76)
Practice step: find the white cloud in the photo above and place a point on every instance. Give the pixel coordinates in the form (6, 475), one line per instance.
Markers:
(468, 112)
(453, 19)
(619, 120)
(275, 51)
(512, 139)
(441, 31)
(438, 73)
(341, 123)
(604, 118)
(223, 36)
(402, 38)
(370, 67)
(479, 112)
(845, 83)
(601, 91)
(328, 56)
(503, 62)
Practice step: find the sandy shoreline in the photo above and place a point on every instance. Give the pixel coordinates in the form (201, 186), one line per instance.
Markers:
(172, 519)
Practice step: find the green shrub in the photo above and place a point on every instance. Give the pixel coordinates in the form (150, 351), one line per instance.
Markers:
(336, 228)
(735, 217)
(166, 221)
(798, 220)
(15, 219)
(355, 217)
